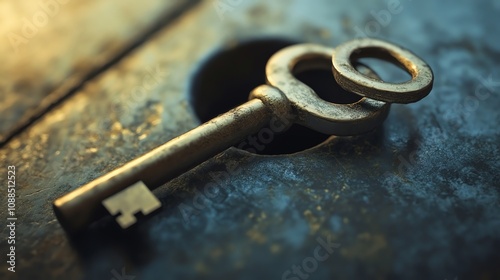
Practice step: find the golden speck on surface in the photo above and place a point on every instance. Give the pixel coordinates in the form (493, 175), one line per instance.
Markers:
(44, 137)
(15, 144)
(346, 21)
(216, 253)
(116, 130)
(324, 33)
(256, 236)
(314, 222)
(367, 247)
(239, 264)
(93, 138)
(275, 248)
(201, 268)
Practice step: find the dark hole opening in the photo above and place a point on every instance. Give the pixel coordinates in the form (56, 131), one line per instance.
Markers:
(325, 86)
(225, 80)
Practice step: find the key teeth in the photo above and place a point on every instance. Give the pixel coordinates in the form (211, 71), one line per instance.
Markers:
(126, 221)
(134, 199)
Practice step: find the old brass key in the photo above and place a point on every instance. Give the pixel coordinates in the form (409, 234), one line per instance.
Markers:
(126, 190)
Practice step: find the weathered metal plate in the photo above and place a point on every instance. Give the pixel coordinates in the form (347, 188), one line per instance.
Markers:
(417, 199)
(50, 47)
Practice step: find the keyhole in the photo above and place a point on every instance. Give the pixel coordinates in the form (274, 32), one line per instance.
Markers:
(226, 78)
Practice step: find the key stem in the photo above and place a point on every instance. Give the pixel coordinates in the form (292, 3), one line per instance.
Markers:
(77, 209)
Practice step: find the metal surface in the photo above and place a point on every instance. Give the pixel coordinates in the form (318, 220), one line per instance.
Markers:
(53, 47)
(350, 79)
(432, 214)
(76, 210)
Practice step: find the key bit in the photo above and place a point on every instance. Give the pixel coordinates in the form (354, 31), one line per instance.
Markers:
(126, 190)
(134, 199)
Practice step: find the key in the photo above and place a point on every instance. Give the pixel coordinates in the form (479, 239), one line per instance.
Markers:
(127, 190)
(126, 203)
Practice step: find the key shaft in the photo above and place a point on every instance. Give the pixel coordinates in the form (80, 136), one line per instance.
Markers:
(79, 208)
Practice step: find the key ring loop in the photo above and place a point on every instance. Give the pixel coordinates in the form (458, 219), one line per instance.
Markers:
(350, 79)
(314, 112)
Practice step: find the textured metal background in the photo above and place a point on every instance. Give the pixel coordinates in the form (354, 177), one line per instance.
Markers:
(51, 47)
(417, 199)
